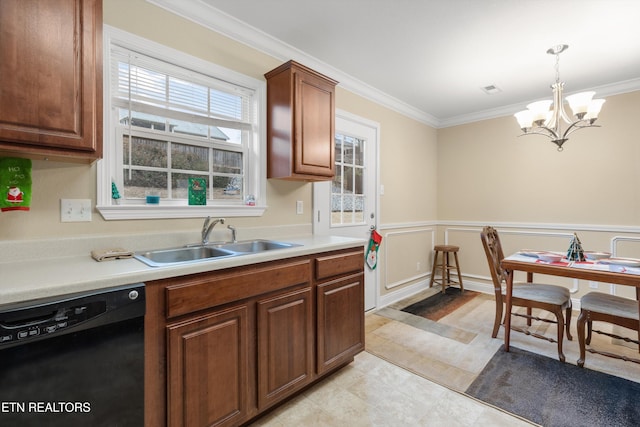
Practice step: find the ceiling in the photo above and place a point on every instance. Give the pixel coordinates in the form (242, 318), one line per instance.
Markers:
(430, 59)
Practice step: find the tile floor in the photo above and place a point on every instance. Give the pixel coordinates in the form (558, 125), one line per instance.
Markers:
(373, 392)
(414, 372)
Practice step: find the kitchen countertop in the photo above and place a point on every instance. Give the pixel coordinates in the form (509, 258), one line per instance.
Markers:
(55, 276)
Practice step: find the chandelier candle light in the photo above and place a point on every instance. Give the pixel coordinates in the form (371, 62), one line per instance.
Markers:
(538, 119)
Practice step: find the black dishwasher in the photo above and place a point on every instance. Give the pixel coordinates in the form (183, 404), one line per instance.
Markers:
(75, 360)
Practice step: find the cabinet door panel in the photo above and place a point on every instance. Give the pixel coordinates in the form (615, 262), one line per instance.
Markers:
(208, 369)
(340, 332)
(285, 345)
(314, 143)
(51, 77)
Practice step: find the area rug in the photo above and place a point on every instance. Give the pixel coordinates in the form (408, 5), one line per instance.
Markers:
(551, 393)
(439, 305)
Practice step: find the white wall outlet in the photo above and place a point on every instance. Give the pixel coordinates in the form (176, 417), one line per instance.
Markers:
(418, 266)
(75, 210)
(593, 285)
(299, 207)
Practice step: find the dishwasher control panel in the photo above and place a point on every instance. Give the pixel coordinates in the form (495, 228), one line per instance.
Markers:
(25, 325)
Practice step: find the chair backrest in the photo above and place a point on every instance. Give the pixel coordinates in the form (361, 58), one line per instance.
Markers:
(493, 250)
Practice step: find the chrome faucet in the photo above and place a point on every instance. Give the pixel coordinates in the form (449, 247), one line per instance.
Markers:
(208, 226)
(233, 233)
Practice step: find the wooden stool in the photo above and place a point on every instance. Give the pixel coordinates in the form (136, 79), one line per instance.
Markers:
(445, 268)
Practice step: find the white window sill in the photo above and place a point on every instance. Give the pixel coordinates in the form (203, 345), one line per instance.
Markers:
(119, 212)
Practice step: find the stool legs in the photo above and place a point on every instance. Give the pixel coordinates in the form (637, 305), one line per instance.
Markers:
(455, 255)
(433, 270)
(445, 271)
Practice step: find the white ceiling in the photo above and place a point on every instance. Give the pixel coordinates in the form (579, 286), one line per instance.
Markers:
(431, 58)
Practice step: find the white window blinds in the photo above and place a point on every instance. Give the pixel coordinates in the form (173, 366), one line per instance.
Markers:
(150, 86)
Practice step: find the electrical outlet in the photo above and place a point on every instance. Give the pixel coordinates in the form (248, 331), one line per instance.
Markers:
(418, 266)
(299, 207)
(75, 210)
(593, 285)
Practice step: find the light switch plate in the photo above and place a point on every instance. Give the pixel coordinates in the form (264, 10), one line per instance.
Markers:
(75, 210)
(299, 207)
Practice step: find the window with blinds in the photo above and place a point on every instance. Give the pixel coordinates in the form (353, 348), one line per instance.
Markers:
(173, 123)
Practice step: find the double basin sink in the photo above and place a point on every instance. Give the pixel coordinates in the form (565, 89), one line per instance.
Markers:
(197, 253)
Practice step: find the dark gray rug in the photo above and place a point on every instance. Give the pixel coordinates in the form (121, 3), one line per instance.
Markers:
(552, 393)
(439, 305)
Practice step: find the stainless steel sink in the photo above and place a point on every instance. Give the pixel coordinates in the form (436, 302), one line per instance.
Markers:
(253, 246)
(162, 257)
(199, 253)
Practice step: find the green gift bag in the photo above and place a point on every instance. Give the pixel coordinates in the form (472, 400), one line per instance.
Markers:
(15, 184)
(197, 191)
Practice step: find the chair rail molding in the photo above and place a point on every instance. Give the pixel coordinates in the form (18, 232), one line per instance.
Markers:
(546, 226)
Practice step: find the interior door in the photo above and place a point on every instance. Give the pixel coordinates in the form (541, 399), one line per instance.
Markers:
(348, 205)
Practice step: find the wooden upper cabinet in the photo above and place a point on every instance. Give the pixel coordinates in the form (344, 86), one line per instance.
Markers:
(51, 78)
(300, 124)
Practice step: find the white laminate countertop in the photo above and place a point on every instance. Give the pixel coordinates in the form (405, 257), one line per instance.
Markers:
(38, 278)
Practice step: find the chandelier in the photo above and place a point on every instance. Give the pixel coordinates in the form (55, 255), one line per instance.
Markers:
(538, 119)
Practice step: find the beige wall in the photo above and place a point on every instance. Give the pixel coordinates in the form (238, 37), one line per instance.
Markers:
(407, 150)
(537, 197)
(439, 184)
(408, 162)
(595, 180)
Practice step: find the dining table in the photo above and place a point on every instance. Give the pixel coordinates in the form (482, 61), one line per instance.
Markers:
(625, 273)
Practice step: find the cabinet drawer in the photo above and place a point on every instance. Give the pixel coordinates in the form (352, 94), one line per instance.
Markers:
(214, 290)
(334, 265)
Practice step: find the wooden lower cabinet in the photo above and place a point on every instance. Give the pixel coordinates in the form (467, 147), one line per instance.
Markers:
(208, 369)
(285, 345)
(340, 332)
(227, 345)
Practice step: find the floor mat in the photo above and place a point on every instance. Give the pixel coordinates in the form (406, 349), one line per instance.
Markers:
(552, 393)
(439, 305)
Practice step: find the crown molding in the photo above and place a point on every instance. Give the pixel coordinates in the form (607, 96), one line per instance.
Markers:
(617, 88)
(216, 20)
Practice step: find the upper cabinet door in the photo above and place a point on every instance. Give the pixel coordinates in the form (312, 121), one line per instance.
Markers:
(51, 78)
(300, 124)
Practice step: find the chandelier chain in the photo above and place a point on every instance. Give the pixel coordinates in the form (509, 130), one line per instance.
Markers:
(558, 67)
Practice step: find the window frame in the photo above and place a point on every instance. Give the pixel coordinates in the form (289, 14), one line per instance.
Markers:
(112, 160)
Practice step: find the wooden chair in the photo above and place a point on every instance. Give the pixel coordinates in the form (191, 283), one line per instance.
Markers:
(551, 298)
(596, 306)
